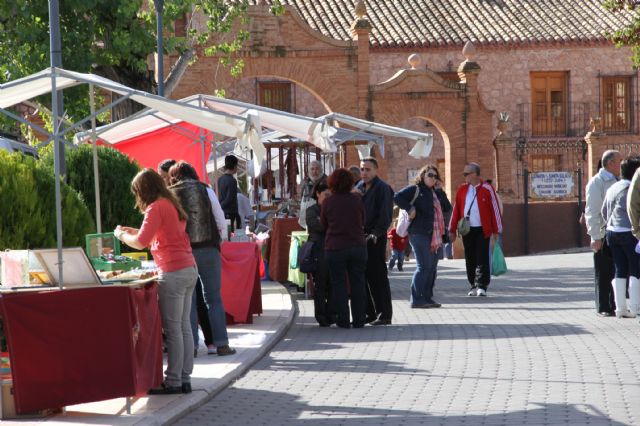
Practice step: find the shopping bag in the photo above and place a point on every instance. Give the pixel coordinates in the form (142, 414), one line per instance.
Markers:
(307, 258)
(498, 264)
(402, 228)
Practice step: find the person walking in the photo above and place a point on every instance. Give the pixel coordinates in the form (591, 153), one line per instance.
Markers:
(397, 244)
(622, 242)
(164, 231)
(228, 191)
(425, 232)
(377, 197)
(342, 216)
(205, 239)
(322, 294)
(602, 259)
(476, 202)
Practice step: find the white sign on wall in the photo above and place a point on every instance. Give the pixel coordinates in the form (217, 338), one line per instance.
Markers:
(552, 184)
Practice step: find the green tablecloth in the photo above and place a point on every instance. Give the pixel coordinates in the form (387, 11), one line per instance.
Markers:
(298, 238)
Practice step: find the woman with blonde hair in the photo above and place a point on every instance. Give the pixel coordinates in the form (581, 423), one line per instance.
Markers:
(425, 231)
(163, 230)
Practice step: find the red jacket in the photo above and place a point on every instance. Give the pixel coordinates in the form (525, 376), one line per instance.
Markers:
(490, 216)
(397, 242)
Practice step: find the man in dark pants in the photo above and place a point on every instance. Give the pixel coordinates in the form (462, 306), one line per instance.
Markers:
(228, 192)
(477, 202)
(377, 196)
(602, 259)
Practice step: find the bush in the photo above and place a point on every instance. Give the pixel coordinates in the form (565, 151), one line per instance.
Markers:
(116, 172)
(27, 207)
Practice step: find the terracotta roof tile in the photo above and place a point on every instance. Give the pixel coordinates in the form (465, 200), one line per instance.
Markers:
(408, 23)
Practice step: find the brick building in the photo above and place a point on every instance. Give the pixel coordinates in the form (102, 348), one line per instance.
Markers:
(568, 91)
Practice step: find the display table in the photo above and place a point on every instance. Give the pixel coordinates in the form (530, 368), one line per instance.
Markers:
(298, 238)
(241, 292)
(279, 247)
(82, 345)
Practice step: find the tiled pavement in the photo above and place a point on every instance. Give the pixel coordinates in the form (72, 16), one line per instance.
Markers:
(532, 353)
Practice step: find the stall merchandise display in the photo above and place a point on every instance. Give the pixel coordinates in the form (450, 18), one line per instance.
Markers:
(104, 252)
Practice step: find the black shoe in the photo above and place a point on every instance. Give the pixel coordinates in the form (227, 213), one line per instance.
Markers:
(606, 314)
(186, 388)
(165, 390)
(225, 350)
(400, 268)
(357, 325)
(381, 321)
(344, 325)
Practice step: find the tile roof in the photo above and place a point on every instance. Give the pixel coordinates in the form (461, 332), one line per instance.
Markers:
(430, 23)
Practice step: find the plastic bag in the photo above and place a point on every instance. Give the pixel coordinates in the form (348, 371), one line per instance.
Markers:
(498, 264)
(402, 228)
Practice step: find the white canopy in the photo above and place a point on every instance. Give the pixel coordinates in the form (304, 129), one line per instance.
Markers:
(20, 90)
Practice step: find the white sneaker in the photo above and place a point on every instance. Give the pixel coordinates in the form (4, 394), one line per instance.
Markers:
(472, 292)
(211, 350)
(482, 292)
(624, 314)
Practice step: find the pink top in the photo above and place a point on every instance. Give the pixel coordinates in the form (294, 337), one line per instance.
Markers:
(166, 236)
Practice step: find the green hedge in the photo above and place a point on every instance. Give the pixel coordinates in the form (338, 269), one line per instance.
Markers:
(116, 172)
(27, 206)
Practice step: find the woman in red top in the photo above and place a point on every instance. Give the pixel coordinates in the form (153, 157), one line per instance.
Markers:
(164, 231)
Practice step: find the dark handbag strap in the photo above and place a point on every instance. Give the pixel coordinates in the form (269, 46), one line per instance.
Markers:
(471, 205)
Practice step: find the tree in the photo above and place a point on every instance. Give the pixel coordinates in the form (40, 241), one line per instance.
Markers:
(629, 35)
(117, 204)
(114, 38)
(27, 200)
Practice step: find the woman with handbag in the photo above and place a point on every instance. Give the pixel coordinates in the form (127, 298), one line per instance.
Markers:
(425, 232)
(323, 307)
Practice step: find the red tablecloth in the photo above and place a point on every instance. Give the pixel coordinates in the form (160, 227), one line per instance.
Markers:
(241, 292)
(279, 247)
(74, 346)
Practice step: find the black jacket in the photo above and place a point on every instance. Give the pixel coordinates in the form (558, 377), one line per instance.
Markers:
(228, 193)
(423, 221)
(378, 206)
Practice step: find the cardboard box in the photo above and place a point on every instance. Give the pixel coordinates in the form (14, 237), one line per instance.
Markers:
(9, 407)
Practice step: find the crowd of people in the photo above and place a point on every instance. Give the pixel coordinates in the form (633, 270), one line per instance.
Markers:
(612, 218)
(353, 219)
(348, 216)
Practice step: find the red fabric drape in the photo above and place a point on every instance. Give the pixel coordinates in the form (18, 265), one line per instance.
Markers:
(241, 291)
(74, 346)
(151, 148)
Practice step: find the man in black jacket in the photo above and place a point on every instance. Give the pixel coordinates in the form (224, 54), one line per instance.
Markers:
(228, 192)
(377, 196)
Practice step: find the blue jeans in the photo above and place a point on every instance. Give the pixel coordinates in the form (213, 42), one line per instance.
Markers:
(210, 270)
(396, 255)
(424, 276)
(625, 258)
(352, 261)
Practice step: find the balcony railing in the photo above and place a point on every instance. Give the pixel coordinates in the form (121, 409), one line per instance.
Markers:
(546, 120)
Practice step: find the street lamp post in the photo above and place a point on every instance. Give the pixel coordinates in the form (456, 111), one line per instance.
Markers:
(159, 4)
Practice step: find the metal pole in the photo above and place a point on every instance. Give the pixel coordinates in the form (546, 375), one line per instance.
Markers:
(55, 47)
(159, 9)
(96, 171)
(579, 225)
(58, 148)
(202, 150)
(526, 211)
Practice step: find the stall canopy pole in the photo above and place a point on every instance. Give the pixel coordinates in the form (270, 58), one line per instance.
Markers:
(96, 171)
(202, 142)
(56, 106)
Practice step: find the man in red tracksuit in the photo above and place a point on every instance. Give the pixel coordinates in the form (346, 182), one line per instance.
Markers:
(477, 201)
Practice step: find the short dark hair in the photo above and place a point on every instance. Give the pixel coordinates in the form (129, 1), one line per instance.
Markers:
(476, 167)
(629, 166)
(371, 160)
(181, 171)
(165, 165)
(340, 181)
(319, 188)
(230, 162)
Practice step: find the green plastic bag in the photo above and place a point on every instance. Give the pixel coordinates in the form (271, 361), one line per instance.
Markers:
(498, 264)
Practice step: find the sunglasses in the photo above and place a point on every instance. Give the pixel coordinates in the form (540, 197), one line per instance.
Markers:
(465, 174)
(432, 175)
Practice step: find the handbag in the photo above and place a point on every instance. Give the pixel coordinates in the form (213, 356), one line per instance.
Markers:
(498, 264)
(402, 227)
(307, 259)
(464, 227)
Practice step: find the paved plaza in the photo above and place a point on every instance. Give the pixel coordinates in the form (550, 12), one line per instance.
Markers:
(533, 353)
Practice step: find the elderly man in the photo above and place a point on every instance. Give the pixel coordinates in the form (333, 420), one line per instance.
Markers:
(316, 174)
(477, 202)
(377, 196)
(602, 259)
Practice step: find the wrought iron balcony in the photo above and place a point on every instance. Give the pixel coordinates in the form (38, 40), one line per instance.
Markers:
(548, 120)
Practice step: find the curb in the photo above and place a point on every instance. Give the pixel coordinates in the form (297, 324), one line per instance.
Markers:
(187, 404)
